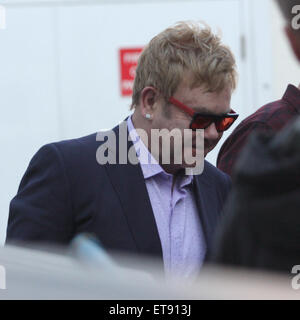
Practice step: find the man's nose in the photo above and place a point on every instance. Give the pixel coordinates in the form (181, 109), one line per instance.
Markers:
(211, 132)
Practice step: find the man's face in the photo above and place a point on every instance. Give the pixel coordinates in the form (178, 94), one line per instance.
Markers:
(210, 103)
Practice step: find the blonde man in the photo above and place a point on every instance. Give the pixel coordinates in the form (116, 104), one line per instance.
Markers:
(184, 81)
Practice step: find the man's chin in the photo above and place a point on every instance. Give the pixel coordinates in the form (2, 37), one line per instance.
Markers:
(208, 150)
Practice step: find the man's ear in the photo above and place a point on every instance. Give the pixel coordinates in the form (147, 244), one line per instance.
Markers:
(294, 39)
(149, 96)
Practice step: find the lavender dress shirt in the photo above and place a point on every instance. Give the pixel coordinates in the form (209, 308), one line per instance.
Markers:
(175, 213)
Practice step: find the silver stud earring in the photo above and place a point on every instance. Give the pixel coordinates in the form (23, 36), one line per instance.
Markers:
(148, 116)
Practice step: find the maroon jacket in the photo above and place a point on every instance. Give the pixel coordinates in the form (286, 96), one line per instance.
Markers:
(269, 118)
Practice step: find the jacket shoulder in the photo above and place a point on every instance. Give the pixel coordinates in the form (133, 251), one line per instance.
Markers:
(215, 173)
(88, 141)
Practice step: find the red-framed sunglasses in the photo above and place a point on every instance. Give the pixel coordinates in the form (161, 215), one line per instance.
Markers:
(203, 121)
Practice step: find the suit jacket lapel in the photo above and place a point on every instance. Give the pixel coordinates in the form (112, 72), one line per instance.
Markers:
(204, 196)
(129, 184)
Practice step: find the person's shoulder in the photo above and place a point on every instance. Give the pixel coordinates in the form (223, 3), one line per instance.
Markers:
(65, 150)
(215, 179)
(88, 142)
(214, 174)
(85, 140)
(267, 115)
(213, 170)
(77, 150)
(91, 140)
(268, 119)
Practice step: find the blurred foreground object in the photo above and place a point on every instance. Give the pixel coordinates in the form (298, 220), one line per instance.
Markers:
(87, 250)
(261, 228)
(33, 274)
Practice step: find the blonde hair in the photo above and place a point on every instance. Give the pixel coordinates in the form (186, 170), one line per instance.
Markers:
(181, 50)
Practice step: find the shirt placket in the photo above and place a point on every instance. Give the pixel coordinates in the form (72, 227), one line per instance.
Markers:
(177, 228)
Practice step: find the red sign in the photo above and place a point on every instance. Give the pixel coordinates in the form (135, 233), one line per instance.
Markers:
(128, 64)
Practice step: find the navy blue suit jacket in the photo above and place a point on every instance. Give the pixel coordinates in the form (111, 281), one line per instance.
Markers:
(65, 191)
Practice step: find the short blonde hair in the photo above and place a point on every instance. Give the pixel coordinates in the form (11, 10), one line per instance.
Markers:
(185, 48)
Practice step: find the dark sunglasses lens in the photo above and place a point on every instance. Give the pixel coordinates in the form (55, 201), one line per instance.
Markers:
(224, 124)
(200, 123)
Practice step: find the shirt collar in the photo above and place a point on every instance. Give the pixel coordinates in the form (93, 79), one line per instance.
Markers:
(150, 167)
(292, 96)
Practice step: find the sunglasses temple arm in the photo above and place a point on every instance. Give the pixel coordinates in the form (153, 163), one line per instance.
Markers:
(181, 106)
